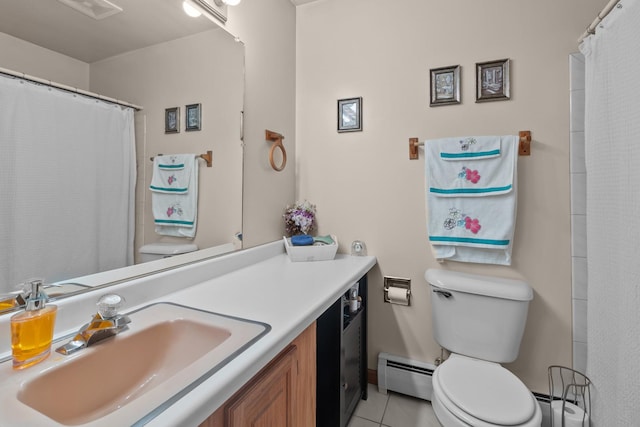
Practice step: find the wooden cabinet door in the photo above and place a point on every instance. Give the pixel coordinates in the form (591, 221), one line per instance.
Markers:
(271, 400)
(282, 394)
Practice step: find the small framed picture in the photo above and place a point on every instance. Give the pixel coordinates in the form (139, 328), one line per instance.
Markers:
(492, 81)
(193, 117)
(350, 115)
(445, 86)
(172, 120)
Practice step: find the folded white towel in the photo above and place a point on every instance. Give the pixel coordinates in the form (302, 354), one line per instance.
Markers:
(472, 221)
(176, 213)
(469, 147)
(172, 173)
(467, 173)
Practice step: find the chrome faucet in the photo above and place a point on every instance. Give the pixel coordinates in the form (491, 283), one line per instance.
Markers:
(106, 323)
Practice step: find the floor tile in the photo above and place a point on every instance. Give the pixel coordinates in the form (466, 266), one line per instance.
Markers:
(373, 408)
(361, 422)
(407, 411)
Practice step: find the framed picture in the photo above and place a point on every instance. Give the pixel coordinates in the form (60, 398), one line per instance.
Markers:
(445, 86)
(350, 115)
(492, 81)
(193, 117)
(172, 120)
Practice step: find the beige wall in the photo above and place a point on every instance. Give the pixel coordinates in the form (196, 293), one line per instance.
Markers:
(207, 69)
(24, 57)
(267, 28)
(365, 186)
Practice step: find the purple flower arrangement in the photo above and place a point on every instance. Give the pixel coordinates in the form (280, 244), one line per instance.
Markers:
(300, 218)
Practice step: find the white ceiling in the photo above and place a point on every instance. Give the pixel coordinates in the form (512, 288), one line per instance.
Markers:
(51, 24)
(299, 2)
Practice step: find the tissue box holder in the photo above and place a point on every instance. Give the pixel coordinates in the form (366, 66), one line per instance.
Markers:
(311, 253)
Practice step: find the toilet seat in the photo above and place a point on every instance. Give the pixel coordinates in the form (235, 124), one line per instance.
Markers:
(483, 394)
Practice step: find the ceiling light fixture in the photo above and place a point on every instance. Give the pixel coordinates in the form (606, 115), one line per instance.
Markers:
(214, 10)
(190, 10)
(227, 2)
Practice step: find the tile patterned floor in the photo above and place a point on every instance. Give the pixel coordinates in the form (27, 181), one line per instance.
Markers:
(393, 410)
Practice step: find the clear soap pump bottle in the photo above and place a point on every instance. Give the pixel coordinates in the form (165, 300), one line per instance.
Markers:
(32, 329)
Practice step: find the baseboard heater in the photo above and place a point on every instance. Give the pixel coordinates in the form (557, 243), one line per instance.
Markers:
(404, 376)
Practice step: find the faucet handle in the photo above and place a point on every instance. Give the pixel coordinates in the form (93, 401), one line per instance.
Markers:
(109, 304)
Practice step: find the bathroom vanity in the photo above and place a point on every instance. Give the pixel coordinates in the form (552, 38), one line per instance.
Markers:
(318, 379)
(259, 284)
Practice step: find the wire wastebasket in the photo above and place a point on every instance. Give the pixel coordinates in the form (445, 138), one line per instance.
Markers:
(570, 394)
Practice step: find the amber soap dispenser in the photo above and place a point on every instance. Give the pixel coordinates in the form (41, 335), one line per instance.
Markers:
(32, 329)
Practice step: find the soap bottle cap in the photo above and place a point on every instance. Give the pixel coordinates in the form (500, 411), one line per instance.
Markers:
(37, 298)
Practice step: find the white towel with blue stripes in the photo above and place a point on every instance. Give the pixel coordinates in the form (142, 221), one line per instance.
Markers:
(172, 173)
(174, 195)
(472, 197)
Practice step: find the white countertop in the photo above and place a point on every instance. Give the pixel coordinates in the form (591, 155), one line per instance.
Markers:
(260, 284)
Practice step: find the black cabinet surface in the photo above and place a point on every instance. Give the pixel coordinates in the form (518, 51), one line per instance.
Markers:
(341, 360)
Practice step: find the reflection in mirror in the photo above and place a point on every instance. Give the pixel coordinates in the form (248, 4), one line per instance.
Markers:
(152, 55)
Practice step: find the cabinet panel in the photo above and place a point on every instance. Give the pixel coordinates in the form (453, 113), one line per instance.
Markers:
(341, 361)
(281, 394)
(271, 400)
(352, 364)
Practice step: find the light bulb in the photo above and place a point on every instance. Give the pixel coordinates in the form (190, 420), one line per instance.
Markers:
(232, 2)
(190, 10)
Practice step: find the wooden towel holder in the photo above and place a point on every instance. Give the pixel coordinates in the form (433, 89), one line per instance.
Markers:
(523, 150)
(207, 157)
(276, 140)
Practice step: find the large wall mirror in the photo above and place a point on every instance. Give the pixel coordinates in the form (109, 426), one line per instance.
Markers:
(153, 55)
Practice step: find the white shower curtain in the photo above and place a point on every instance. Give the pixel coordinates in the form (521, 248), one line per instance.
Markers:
(67, 184)
(612, 132)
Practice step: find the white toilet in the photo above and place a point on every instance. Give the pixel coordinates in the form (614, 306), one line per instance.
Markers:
(480, 320)
(155, 251)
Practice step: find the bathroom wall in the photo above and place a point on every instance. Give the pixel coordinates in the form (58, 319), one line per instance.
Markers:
(366, 187)
(22, 56)
(268, 30)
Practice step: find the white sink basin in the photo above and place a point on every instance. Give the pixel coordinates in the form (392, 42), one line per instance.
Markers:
(168, 350)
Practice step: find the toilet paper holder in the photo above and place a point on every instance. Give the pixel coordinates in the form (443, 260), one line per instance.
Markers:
(570, 395)
(393, 285)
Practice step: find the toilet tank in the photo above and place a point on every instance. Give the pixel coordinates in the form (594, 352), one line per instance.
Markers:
(156, 251)
(478, 316)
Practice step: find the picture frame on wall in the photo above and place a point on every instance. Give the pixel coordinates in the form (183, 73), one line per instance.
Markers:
(493, 81)
(350, 115)
(445, 86)
(172, 120)
(193, 117)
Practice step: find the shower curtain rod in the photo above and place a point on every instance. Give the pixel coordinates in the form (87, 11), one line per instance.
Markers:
(591, 29)
(68, 88)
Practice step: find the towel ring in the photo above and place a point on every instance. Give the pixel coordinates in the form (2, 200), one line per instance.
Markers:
(276, 139)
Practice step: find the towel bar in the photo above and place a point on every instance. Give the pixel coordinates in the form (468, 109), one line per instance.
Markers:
(207, 157)
(524, 149)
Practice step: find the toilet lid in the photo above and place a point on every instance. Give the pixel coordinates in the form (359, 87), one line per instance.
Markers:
(486, 391)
